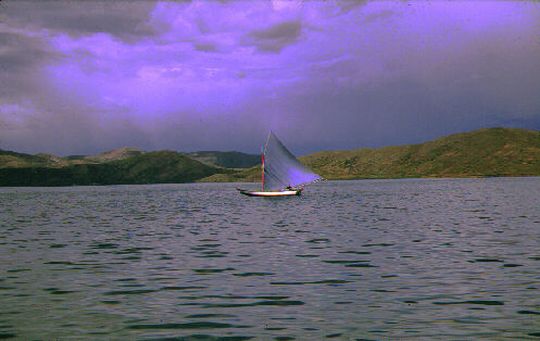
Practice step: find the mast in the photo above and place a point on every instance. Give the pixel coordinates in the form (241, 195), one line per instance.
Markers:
(262, 170)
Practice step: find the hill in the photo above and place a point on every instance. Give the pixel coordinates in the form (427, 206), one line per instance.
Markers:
(114, 155)
(152, 167)
(484, 152)
(226, 159)
(10, 159)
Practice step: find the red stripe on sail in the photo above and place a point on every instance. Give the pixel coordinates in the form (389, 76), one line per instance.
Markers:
(262, 169)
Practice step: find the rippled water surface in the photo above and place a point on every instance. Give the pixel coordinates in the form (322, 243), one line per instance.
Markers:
(453, 259)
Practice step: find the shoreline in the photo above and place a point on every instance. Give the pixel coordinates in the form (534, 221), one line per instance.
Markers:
(256, 182)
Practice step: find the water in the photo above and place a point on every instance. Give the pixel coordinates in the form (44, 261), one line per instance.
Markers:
(417, 259)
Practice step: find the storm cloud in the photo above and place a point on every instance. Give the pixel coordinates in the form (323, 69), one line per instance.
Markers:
(276, 37)
(83, 77)
(127, 20)
(21, 61)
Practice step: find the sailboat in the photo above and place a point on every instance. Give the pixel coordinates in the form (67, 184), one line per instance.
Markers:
(282, 173)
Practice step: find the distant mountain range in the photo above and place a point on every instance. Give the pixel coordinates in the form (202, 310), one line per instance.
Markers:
(10, 159)
(484, 152)
(119, 166)
(480, 153)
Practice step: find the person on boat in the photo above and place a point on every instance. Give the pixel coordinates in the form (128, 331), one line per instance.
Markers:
(289, 188)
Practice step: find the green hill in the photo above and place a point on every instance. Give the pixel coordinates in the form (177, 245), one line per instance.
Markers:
(484, 152)
(162, 167)
(10, 159)
(226, 159)
(113, 155)
(152, 167)
(252, 174)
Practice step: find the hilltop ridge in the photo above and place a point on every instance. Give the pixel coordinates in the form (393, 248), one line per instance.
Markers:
(483, 152)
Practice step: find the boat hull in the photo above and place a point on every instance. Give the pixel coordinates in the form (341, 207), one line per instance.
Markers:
(270, 193)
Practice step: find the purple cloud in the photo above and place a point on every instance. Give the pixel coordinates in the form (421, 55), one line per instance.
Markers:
(213, 75)
(276, 37)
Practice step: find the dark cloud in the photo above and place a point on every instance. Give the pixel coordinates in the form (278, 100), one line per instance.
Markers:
(275, 38)
(126, 20)
(425, 102)
(384, 14)
(21, 60)
(349, 5)
(20, 52)
(205, 47)
(359, 74)
(58, 123)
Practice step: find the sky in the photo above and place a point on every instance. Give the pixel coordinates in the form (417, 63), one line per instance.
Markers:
(81, 77)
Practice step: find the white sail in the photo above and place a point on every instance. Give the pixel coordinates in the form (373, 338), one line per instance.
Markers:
(281, 169)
